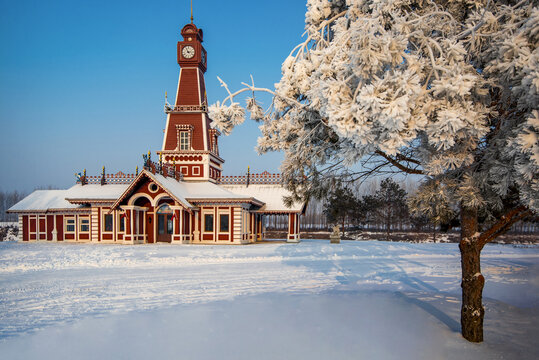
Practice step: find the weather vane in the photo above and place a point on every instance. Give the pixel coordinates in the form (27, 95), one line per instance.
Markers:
(191, 11)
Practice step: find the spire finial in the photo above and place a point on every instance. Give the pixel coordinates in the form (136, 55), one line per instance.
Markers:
(191, 11)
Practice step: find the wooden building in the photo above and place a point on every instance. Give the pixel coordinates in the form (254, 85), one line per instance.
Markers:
(181, 198)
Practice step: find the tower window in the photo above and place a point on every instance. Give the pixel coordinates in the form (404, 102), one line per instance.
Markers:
(184, 140)
(214, 145)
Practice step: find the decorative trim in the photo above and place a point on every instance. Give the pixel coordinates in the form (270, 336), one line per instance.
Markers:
(118, 178)
(181, 109)
(234, 201)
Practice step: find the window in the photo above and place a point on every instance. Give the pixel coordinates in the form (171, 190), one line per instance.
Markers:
(84, 225)
(214, 145)
(184, 140)
(208, 222)
(223, 223)
(70, 225)
(160, 224)
(122, 223)
(164, 220)
(108, 222)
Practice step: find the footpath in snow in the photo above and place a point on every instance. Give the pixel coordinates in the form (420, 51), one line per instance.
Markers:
(313, 300)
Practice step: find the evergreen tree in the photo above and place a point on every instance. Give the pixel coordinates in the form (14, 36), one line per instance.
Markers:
(444, 89)
(391, 204)
(340, 207)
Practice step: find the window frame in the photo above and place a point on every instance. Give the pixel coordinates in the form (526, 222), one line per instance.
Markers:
(205, 223)
(184, 140)
(81, 224)
(221, 231)
(121, 223)
(105, 223)
(67, 223)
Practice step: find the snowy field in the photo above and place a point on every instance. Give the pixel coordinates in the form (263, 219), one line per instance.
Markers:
(313, 300)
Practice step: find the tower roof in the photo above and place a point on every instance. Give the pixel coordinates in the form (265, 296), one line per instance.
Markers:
(191, 30)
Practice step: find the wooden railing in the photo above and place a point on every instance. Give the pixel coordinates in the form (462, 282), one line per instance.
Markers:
(263, 178)
(118, 178)
(185, 108)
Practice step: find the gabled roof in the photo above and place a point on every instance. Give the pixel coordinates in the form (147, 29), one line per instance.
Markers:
(272, 195)
(187, 193)
(43, 201)
(154, 177)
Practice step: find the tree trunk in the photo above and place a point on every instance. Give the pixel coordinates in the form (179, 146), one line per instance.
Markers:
(388, 224)
(472, 311)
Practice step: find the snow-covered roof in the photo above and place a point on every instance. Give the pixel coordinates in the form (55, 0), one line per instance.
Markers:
(44, 200)
(95, 192)
(271, 194)
(269, 197)
(187, 192)
(198, 191)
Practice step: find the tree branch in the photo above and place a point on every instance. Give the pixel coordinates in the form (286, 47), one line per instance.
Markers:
(398, 165)
(504, 224)
(407, 159)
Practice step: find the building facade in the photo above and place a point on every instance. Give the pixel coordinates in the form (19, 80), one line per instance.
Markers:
(181, 198)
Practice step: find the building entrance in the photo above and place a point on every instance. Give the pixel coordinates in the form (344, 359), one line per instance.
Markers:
(164, 224)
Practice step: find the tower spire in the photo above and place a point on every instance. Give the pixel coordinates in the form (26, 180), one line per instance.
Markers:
(191, 11)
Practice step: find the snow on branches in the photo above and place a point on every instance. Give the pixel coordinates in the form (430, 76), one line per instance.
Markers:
(447, 89)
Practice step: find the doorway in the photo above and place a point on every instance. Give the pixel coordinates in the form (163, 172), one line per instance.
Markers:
(164, 224)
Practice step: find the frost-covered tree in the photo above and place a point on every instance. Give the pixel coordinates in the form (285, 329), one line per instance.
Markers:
(431, 203)
(446, 89)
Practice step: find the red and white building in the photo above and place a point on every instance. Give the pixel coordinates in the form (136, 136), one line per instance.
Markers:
(182, 198)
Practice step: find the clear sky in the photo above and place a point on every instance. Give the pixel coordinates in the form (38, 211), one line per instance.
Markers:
(82, 82)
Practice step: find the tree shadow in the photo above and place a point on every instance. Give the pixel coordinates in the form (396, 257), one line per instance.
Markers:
(390, 274)
(433, 310)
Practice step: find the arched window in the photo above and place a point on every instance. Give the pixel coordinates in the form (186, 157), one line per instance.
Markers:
(164, 209)
(164, 220)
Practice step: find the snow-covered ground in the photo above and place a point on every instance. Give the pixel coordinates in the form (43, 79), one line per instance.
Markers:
(313, 300)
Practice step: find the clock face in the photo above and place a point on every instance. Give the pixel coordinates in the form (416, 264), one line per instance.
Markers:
(188, 52)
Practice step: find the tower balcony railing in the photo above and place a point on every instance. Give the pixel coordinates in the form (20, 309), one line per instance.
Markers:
(176, 109)
(264, 178)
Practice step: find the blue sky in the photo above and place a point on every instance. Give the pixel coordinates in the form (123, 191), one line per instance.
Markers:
(82, 83)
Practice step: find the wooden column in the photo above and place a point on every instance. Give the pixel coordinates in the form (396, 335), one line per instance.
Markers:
(127, 223)
(293, 228)
(177, 233)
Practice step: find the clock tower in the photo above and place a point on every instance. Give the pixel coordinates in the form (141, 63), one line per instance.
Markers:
(189, 141)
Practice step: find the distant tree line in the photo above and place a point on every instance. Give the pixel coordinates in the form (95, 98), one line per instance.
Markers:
(379, 206)
(7, 200)
(389, 208)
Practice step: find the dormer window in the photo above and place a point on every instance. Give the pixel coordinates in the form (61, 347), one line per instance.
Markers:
(184, 140)
(184, 133)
